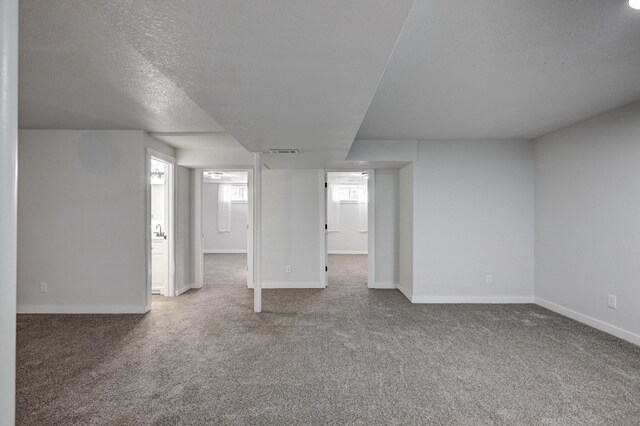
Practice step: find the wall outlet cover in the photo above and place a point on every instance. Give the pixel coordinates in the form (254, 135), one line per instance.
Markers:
(611, 301)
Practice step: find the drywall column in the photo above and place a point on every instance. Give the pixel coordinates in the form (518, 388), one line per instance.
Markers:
(9, 203)
(257, 232)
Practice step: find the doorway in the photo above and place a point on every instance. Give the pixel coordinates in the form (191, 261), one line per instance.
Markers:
(226, 223)
(161, 223)
(349, 240)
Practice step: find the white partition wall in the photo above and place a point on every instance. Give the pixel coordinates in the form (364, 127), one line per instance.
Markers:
(466, 223)
(473, 222)
(292, 205)
(587, 217)
(82, 222)
(8, 200)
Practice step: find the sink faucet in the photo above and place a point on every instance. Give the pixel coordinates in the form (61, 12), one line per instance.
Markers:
(158, 230)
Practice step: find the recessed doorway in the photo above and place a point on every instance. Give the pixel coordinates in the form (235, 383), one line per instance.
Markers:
(161, 224)
(347, 228)
(226, 218)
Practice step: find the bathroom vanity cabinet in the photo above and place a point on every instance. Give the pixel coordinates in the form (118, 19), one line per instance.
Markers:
(159, 266)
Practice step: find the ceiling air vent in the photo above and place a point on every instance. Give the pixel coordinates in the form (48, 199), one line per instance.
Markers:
(283, 151)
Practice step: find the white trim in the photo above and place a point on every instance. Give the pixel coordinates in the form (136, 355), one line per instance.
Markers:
(406, 293)
(184, 289)
(162, 156)
(82, 309)
(292, 284)
(371, 227)
(257, 232)
(223, 251)
(472, 299)
(171, 226)
(324, 260)
(389, 286)
(147, 225)
(250, 235)
(346, 252)
(590, 321)
(198, 235)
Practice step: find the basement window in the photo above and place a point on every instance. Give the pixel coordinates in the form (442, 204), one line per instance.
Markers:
(349, 193)
(236, 193)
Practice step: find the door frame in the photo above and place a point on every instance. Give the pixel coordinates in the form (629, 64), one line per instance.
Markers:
(198, 225)
(170, 289)
(371, 221)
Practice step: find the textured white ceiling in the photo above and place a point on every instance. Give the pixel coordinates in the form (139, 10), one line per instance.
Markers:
(287, 73)
(76, 72)
(506, 68)
(279, 73)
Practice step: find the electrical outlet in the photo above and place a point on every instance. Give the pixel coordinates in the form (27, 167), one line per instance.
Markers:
(489, 279)
(43, 287)
(288, 268)
(611, 301)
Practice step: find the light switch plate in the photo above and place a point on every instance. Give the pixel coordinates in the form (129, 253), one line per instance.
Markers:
(611, 301)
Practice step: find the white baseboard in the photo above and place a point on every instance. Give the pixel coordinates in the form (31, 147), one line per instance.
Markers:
(472, 299)
(590, 321)
(381, 285)
(405, 292)
(299, 284)
(81, 309)
(230, 251)
(346, 252)
(184, 289)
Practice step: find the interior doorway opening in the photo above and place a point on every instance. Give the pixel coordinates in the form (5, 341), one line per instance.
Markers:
(162, 259)
(347, 228)
(226, 219)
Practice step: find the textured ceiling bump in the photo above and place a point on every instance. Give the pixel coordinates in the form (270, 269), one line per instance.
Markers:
(276, 73)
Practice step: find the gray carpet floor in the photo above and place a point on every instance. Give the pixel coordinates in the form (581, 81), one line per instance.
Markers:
(343, 355)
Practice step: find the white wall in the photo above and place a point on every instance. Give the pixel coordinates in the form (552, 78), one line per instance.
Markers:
(292, 228)
(222, 242)
(349, 239)
(184, 243)
(588, 221)
(81, 225)
(236, 157)
(473, 216)
(405, 230)
(387, 240)
(383, 150)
